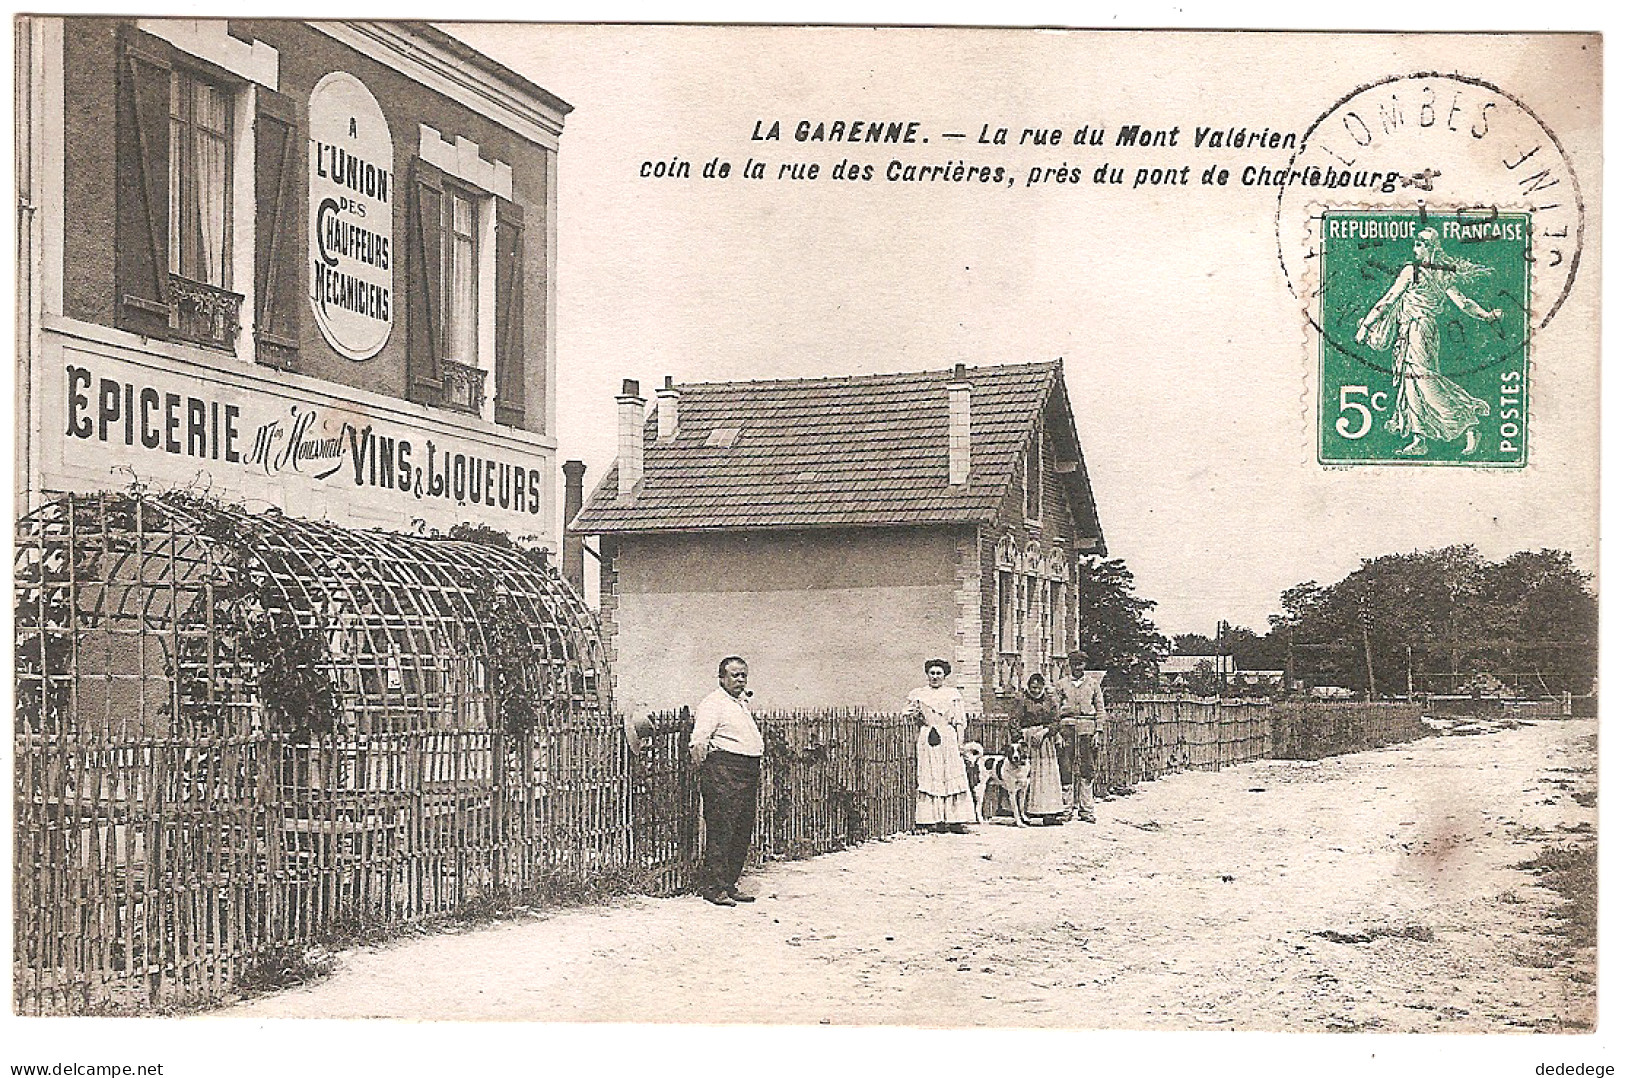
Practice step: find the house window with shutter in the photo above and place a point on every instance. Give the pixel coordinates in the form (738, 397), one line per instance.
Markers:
(466, 302)
(202, 308)
(185, 139)
(1060, 642)
(1006, 610)
(199, 180)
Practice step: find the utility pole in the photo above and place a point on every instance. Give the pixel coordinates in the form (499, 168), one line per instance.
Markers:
(1370, 674)
(1410, 687)
(1291, 674)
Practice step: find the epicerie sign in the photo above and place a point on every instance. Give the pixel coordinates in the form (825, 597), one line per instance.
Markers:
(169, 428)
(351, 217)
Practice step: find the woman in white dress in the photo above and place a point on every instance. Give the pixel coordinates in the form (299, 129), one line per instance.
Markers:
(943, 802)
(1406, 319)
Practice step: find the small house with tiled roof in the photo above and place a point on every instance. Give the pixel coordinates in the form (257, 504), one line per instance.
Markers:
(837, 532)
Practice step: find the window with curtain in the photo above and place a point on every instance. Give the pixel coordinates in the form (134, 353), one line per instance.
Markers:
(460, 277)
(199, 180)
(1034, 625)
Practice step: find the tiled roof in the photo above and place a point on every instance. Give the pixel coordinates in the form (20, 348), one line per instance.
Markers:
(832, 452)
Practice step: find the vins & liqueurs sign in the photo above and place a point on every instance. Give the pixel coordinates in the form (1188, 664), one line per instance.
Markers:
(351, 218)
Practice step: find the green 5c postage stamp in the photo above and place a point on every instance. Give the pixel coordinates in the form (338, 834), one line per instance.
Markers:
(1424, 321)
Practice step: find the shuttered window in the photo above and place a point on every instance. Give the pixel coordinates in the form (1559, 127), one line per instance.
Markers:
(423, 343)
(141, 253)
(1006, 604)
(450, 225)
(172, 263)
(459, 275)
(199, 180)
(510, 315)
(1060, 641)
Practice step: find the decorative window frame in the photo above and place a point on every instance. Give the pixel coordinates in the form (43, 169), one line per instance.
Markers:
(207, 40)
(1033, 611)
(459, 159)
(242, 67)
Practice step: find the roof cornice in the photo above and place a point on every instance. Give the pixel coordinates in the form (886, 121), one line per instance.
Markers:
(446, 65)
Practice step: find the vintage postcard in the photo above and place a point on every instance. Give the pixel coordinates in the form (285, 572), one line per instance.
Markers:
(803, 526)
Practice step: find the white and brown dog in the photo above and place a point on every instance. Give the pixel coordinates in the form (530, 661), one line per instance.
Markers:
(1011, 771)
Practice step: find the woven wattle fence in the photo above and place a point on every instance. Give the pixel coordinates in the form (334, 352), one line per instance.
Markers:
(153, 871)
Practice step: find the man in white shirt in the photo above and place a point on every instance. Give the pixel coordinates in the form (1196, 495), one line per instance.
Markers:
(727, 746)
(1083, 708)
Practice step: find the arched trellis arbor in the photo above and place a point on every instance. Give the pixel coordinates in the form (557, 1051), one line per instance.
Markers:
(241, 732)
(157, 616)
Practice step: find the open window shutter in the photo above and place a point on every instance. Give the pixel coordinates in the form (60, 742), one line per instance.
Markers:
(141, 264)
(423, 293)
(510, 357)
(278, 268)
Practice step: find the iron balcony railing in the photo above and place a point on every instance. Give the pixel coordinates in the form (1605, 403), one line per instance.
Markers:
(463, 387)
(202, 313)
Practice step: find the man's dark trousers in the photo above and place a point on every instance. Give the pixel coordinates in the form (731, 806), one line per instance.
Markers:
(728, 785)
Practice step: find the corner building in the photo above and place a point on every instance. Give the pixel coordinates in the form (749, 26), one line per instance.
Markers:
(301, 265)
(839, 531)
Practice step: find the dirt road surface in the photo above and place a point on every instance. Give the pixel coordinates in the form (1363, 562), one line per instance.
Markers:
(1374, 892)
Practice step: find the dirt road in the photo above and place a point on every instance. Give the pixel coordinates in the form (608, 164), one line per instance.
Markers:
(1371, 892)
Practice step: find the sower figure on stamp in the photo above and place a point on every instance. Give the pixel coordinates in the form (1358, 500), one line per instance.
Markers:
(1083, 710)
(1426, 403)
(727, 746)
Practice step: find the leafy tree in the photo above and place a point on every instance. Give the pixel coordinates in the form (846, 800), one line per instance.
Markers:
(1434, 619)
(1203, 679)
(1542, 606)
(1192, 644)
(1115, 626)
(1254, 652)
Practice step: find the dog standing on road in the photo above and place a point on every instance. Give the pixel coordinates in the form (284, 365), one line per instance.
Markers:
(1011, 771)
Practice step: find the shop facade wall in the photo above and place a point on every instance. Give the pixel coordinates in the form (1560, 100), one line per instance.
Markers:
(90, 64)
(68, 129)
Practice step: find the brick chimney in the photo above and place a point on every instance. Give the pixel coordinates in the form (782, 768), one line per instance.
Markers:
(958, 428)
(630, 458)
(574, 569)
(666, 410)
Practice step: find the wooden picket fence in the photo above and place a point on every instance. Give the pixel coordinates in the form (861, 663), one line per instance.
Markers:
(152, 872)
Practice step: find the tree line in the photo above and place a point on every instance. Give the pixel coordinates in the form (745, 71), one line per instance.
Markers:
(1441, 621)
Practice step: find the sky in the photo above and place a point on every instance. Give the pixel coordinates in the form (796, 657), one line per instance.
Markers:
(1187, 359)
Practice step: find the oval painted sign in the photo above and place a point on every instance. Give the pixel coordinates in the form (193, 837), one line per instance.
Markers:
(352, 191)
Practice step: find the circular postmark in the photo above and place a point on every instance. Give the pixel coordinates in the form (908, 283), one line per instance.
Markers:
(1446, 143)
(1428, 224)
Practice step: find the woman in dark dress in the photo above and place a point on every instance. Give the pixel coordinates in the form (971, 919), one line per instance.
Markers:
(1037, 715)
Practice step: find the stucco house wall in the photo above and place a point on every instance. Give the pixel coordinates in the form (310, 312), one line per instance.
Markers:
(825, 618)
